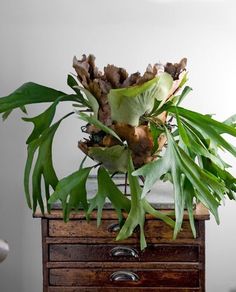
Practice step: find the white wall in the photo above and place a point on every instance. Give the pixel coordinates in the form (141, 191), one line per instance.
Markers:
(37, 42)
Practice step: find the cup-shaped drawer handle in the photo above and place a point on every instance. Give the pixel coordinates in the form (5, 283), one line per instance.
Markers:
(114, 227)
(121, 251)
(124, 276)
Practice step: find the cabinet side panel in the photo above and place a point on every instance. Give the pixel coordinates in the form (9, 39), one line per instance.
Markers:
(202, 254)
(44, 229)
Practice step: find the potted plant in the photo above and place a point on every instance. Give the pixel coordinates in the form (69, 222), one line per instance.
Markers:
(134, 125)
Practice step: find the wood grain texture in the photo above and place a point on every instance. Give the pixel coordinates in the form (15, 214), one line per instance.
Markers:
(202, 255)
(80, 228)
(44, 232)
(112, 240)
(126, 265)
(200, 213)
(119, 253)
(119, 289)
(147, 278)
(77, 256)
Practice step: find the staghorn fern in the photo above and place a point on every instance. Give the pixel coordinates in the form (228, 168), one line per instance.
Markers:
(134, 125)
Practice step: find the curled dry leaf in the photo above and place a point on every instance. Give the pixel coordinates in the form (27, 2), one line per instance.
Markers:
(176, 69)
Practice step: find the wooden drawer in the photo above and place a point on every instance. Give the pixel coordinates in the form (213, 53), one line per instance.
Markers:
(118, 289)
(125, 253)
(154, 229)
(117, 278)
(78, 257)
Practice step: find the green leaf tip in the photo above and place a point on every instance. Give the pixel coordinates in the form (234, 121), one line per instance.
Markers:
(71, 191)
(108, 189)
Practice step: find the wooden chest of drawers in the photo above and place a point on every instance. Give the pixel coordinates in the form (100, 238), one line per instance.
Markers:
(79, 257)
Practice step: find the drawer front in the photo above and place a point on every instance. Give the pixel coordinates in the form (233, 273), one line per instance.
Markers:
(127, 278)
(154, 229)
(124, 253)
(118, 289)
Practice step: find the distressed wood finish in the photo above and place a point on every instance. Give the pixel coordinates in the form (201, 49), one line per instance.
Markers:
(78, 257)
(126, 265)
(81, 228)
(45, 256)
(111, 240)
(110, 253)
(123, 289)
(94, 277)
(200, 213)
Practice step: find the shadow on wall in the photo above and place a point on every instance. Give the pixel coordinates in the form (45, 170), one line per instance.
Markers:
(232, 290)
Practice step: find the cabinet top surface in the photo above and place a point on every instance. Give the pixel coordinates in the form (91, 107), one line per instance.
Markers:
(200, 213)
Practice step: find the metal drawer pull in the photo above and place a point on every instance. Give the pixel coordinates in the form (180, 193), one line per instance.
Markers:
(124, 251)
(115, 227)
(124, 276)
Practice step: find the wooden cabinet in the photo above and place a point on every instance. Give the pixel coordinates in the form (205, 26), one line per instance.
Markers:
(78, 256)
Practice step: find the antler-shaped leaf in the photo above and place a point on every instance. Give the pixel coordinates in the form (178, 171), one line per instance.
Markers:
(207, 188)
(108, 189)
(71, 191)
(139, 207)
(43, 168)
(30, 93)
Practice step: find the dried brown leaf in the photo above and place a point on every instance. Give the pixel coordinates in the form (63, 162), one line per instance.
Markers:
(175, 69)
